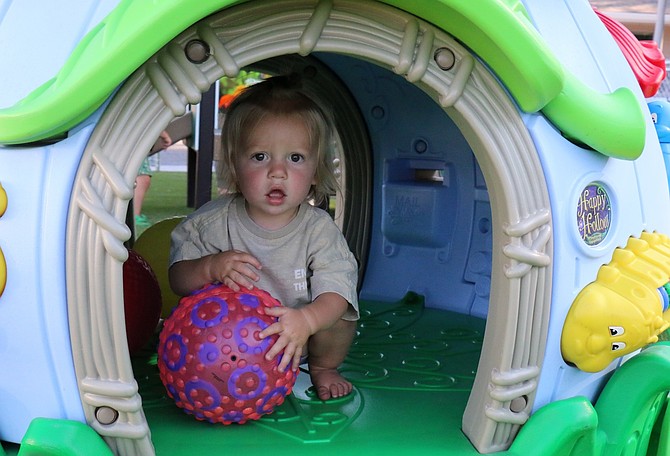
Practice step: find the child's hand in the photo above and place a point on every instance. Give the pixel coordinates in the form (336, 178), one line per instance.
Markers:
(235, 269)
(294, 329)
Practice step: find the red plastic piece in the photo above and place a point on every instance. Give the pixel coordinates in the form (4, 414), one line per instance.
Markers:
(644, 57)
(142, 301)
(212, 361)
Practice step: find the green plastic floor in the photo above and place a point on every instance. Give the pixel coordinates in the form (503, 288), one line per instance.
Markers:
(412, 368)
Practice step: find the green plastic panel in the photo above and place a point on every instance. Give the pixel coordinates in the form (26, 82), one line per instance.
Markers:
(497, 30)
(412, 368)
(632, 400)
(574, 423)
(49, 437)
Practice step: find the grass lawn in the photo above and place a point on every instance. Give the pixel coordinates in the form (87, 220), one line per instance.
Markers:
(166, 197)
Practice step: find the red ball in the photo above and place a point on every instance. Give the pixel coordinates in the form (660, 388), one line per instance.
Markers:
(212, 361)
(142, 301)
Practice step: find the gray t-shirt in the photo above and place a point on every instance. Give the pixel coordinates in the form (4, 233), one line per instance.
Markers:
(306, 258)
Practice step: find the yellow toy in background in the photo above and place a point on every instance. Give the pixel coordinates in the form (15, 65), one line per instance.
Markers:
(3, 265)
(154, 246)
(624, 309)
(3, 201)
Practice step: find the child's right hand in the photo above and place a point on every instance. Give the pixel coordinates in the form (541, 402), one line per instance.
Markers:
(235, 269)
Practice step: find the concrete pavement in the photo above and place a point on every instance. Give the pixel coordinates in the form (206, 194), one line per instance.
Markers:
(626, 6)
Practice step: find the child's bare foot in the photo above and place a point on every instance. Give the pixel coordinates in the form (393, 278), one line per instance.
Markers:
(329, 383)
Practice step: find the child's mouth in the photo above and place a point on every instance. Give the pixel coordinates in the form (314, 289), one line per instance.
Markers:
(276, 196)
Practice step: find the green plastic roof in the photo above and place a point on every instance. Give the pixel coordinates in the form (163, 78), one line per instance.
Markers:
(498, 31)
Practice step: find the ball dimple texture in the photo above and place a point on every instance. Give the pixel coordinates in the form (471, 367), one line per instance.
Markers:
(212, 360)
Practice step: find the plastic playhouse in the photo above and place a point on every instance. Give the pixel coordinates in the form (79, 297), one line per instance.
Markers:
(504, 190)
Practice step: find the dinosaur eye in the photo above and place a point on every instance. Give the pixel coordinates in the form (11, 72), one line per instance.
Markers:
(616, 330)
(616, 346)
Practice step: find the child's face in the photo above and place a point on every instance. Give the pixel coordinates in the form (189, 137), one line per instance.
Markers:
(275, 170)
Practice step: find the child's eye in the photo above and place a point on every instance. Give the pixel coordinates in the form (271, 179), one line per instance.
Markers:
(296, 158)
(259, 156)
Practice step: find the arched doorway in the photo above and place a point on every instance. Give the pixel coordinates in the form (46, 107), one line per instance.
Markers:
(503, 393)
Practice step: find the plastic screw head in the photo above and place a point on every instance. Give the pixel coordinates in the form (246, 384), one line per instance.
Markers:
(106, 415)
(197, 51)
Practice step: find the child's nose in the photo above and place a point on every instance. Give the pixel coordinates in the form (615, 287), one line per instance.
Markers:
(277, 169)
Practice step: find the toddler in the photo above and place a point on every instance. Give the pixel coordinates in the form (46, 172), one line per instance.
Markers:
(265, 234)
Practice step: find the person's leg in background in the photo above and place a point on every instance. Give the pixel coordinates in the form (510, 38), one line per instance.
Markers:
(143, 180)
(142, 184)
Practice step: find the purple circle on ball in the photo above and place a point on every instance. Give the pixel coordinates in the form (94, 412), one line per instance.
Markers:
(195, 385)
(275, 394)
(249, 300)
(216, 319)
(208, 353)
(244, 343)
(233, 415)
(175, 365)
(237, 373)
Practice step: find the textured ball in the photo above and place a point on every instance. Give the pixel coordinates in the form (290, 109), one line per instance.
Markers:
(142, 301)
(212, 361)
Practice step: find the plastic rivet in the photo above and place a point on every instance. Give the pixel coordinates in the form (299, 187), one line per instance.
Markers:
(106, 415)
(518, 404)
(378, 112)
(420, 146)
(445, 58)
(197, 51)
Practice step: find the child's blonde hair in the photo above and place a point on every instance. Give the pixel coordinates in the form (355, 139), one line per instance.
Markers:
(279, 96)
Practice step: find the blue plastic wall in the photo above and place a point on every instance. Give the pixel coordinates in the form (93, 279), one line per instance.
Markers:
(431, 217)
(38, 376)
(636, 189)
(37, 367)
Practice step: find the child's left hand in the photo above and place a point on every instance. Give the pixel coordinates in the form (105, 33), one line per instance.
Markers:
(294, 329)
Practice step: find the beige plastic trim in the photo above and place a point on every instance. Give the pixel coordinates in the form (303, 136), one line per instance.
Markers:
(504, 389)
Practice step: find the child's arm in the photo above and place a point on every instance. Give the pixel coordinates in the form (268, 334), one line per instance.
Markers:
(295, 326)
(232, 268)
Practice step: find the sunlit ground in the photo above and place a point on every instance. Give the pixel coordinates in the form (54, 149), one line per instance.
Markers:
(626, 6)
